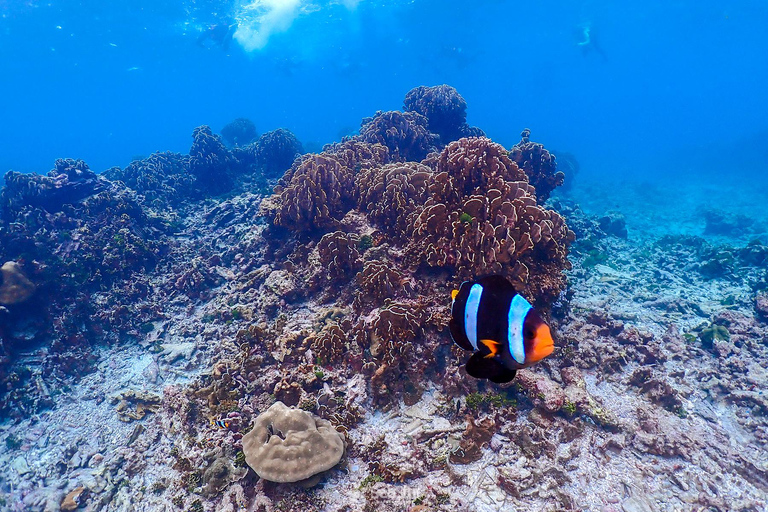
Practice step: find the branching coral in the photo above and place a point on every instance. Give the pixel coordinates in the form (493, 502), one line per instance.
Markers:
(339, 255)
(474, 212)
(393, 329)
(390, 194)
(539, 165)
(69, 182)
(405, 134)
(358, 155)
(380, 280)
(330, 344)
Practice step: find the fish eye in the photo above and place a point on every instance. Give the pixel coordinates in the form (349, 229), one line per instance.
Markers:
(529, 334)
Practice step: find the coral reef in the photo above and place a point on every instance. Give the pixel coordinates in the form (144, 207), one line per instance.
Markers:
(210, 161)
(405, 134)
(538, 164)
(333, 295)
(290, 445)
(444, 108)
(15, 286)
(318, 195)
(163, 179)
(275, 151)
(239, 132)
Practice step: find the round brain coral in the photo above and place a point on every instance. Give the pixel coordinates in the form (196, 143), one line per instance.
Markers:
(289, 445)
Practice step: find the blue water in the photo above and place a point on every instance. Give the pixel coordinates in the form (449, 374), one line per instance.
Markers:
(666, 86)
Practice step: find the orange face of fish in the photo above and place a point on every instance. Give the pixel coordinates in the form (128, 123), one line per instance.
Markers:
(538, 342)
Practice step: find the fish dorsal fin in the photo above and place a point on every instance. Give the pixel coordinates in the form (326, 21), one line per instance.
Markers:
(454, 293)
(496, 282)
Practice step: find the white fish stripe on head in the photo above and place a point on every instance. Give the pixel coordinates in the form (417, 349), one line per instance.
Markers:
(470, 313)
(518, 309)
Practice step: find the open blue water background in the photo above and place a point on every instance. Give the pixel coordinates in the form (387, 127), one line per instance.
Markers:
(673, 86)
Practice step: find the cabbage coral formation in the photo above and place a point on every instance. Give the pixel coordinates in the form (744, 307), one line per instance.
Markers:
(472, 211)
(401, 228)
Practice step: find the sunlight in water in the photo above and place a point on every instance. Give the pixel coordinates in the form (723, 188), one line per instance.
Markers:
(259, 20)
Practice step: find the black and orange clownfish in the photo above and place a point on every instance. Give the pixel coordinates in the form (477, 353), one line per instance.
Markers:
(506, 334)
(220, 423)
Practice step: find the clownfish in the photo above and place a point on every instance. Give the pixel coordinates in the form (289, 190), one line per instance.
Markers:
(220, 423)
(503, 330)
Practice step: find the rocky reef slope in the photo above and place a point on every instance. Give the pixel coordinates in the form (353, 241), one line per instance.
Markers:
(152, 301)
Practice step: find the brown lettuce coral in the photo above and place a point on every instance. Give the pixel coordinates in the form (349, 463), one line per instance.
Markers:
(339, 255)
(444, 108)
(405, 134)
(539, 165)
(474, 212)
(317, 196)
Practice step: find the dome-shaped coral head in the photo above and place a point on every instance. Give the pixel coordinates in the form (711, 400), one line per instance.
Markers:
(503, 330)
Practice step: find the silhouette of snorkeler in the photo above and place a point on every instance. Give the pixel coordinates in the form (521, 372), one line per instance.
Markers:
(586, 40)
(217, 34)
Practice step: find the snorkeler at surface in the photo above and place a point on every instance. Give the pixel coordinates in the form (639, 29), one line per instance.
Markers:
(217, 34)
(587, 41)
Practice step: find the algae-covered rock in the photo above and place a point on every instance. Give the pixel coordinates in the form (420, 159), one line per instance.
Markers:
(713, 333)
(761, 305)
(134, 405)
(219, 475)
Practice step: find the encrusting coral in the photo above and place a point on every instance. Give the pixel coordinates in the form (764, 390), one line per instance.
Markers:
(289, 445)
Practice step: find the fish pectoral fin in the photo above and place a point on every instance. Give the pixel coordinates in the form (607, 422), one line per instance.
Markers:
(493, 346)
